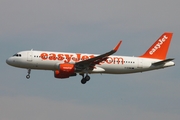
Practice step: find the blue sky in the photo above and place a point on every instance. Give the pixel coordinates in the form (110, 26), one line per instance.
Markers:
(90, 27)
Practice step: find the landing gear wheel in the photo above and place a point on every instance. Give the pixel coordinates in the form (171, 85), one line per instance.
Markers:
(83, 81)
(27, 76)
(87, 77)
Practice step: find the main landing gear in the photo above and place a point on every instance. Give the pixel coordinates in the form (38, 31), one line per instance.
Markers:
(85, 79)
(28, 75)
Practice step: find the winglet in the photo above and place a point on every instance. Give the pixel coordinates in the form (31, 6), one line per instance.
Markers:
(117, 46)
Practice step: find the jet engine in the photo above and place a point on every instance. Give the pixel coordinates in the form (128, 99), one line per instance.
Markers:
(65, 71)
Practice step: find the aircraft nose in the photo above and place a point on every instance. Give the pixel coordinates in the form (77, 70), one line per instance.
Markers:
(9, 61)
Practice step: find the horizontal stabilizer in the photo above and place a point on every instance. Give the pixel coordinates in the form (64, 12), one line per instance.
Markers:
(163, 61)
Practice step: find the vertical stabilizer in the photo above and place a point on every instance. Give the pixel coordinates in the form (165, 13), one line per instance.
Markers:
(160, 48)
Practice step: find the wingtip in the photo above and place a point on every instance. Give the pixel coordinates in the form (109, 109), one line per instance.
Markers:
(118, 45)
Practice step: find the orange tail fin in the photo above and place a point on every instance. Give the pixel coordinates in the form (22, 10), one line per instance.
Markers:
(160, 48)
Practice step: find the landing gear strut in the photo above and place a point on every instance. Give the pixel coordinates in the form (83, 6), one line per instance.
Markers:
(28, 75)
(85, 79)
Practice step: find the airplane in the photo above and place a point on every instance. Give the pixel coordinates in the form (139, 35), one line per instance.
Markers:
(65, 65)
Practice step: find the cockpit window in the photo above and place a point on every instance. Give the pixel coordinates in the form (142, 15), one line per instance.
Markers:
(17, 55)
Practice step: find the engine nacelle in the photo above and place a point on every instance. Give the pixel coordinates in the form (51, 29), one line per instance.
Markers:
(65, 71)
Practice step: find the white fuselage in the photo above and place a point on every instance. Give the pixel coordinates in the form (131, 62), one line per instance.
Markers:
(45, 60)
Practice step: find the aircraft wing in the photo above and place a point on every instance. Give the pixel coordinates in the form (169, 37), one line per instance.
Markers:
(90, 63)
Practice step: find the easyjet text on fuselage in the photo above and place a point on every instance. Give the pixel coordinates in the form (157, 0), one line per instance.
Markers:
(67, 58)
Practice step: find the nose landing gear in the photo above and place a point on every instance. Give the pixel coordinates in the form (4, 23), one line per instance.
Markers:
(28, 75)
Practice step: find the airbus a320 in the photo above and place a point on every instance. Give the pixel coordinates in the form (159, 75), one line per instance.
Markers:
(65, 65)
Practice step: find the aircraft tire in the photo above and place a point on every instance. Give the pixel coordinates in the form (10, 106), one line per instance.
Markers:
(27, 76)
(87, 78)
(83, 81)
